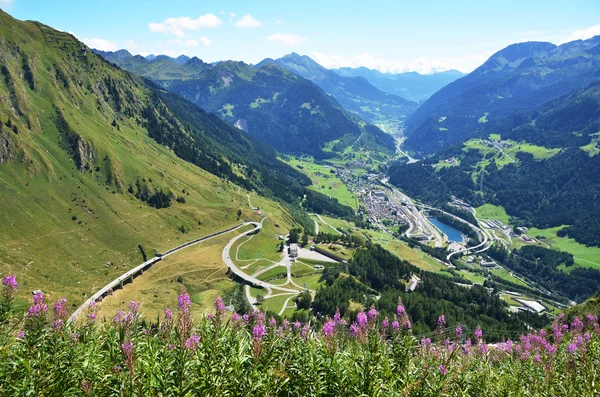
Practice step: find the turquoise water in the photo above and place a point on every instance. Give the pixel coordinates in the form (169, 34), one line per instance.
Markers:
(452, 233)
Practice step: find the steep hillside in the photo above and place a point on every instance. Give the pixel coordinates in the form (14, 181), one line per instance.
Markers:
(517, 78)
(92, 165)
(410, 85)
(355, 94)
(280, 108)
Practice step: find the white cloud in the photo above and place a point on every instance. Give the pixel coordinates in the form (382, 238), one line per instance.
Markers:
(178, 26)
(248, 21)
(422, 65)
(6, 1)
(202, 41)
(287, 39)
(583, 34)
(100, 44)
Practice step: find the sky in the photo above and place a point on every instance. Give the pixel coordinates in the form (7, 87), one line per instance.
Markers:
(388, 35)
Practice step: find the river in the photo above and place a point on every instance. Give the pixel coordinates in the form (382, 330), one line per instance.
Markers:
(452, 233)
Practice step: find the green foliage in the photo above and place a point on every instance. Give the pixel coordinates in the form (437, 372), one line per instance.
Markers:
(540, 264)
(379, 272)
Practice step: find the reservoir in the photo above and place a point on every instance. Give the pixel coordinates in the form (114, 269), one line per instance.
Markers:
(452, 233)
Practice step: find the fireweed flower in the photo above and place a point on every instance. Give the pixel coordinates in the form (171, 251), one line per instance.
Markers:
(577, 325)
(572, 348)
(443, 370)
(134, 306)
(478, 332)
(57, 325)
(297, 325)
(361, 319)
(591, 318)
(37, 311)
(246, 319)
(400, 311)
(372, 313)
(459, 331)
(441, 322)
(354, 329)
(258, 332)
(184, 302)
(235, 318)
(273, 322)
(305, 331)
(10, 285)
(328, 328)
(128, 353)
(385, 323)
(219, 305)
(286, 325)
(192, 343)
(21, 335)
(395, 326)
(60, 312)
(185, 317)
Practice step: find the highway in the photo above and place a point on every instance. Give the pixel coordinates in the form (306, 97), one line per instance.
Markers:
(138, 270)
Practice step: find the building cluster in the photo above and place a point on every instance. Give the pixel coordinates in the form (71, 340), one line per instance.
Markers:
(381, 213)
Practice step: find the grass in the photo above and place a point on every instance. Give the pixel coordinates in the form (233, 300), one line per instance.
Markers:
(475, 278)
(310, 282)
(275, 273)
(505, 275)
(264, 244)
(584, 256)
(256, 266)
(275, 303)
(492, 212)
(324, 181)
(198, 268)
(510, 299)
(300, 269)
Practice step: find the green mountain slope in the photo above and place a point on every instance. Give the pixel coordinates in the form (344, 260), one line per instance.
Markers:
(92, 165)
(410, 85)
(280, 108)
(355, 94)
(520, 78)
(553, 183)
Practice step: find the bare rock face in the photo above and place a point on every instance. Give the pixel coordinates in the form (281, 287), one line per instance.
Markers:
(6, 153)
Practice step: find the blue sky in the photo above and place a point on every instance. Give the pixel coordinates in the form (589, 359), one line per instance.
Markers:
(393, 36)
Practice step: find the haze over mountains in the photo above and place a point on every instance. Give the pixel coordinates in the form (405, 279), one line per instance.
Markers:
(413, 86)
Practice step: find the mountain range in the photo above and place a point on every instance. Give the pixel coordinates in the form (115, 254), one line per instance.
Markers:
(519, 78)
(94, 160)
(355, 94)
(413, 86)
(285, 110)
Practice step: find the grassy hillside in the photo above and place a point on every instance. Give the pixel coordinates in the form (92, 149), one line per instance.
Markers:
(91, 165)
